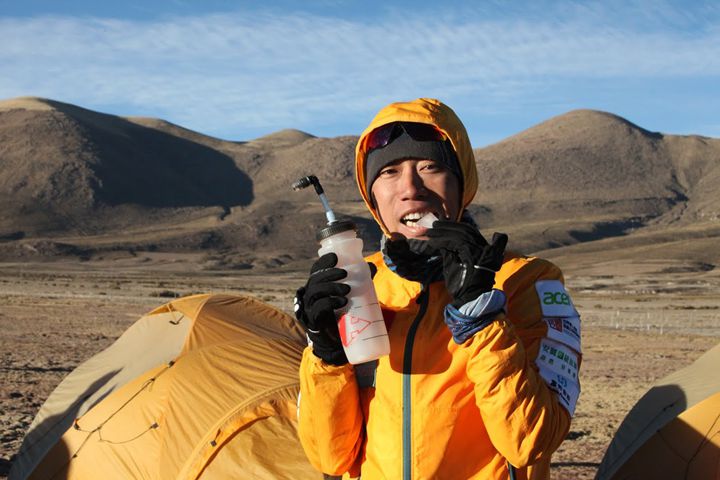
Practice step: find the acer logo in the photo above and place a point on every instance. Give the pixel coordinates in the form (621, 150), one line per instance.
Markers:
(556, 298)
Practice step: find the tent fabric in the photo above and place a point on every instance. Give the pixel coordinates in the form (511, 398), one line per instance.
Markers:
(674, 427)
(687, 447)
(94, 379)
(223, 405)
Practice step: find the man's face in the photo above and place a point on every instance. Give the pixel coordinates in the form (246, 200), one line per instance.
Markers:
(405, 190)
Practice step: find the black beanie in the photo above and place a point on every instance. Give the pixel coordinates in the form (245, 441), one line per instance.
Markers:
(404, 147)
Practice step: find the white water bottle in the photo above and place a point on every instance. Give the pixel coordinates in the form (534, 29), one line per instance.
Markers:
(361, 324)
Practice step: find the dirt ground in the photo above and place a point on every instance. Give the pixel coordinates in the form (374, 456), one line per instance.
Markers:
(639, 324)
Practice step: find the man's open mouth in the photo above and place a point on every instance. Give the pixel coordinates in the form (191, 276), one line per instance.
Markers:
(411, 219)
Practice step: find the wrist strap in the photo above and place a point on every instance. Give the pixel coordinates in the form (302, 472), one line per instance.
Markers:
(492, 301)
(470, 318)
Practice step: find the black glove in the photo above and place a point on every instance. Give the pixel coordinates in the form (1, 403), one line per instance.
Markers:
(469, 262)
(315, 306)
(405, 261)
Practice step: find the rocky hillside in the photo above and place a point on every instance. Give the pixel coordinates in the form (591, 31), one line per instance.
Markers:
(78, 182)
(587, 175)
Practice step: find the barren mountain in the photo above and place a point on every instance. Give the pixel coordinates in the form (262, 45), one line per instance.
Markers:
(68, 169)
(587, 175)
(74, 181)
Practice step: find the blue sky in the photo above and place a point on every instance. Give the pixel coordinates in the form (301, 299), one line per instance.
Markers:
(241, 69)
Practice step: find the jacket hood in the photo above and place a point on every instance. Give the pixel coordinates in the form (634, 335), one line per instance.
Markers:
(421, 110)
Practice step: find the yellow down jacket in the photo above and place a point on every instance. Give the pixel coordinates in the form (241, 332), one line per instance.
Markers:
(433, 409)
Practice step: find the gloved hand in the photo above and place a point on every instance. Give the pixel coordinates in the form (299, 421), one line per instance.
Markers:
(469, 262)
(404, 260)
(315, 305)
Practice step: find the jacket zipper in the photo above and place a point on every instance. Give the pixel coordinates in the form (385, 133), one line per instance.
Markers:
(422, 300)
(511, 471)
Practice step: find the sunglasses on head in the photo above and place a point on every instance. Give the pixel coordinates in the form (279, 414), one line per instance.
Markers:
(386, 134)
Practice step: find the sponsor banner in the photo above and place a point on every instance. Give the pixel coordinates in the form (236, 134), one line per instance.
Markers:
(558, 357)
(565, 330)
(554, 299)
(558, 365)
(566, 392)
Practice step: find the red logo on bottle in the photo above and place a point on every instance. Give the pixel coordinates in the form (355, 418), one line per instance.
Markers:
(350, 327)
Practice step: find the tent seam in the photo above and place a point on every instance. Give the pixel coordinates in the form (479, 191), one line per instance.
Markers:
(201, 458)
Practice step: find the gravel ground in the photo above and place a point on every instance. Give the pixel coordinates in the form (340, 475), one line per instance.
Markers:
(54, 317)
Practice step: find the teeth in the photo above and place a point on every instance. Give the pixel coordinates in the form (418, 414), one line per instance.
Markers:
(414, 215)
(411, 219)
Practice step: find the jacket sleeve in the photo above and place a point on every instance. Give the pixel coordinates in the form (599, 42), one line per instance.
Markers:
(330, 415)
(526, 411)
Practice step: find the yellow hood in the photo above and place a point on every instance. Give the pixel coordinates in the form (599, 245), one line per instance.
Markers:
(421, 110)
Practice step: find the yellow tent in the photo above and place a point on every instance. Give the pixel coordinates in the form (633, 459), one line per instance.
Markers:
(202, 387)
(674, 429)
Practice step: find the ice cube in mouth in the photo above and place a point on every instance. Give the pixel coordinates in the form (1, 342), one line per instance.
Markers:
(427, 220)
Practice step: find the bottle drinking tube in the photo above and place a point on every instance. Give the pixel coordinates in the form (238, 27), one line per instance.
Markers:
(360, 322)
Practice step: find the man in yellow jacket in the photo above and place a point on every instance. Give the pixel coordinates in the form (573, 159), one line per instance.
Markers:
(482, 378)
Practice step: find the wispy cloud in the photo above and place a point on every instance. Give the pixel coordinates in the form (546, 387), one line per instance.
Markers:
(254, 71)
